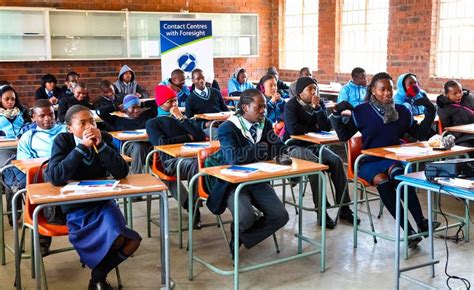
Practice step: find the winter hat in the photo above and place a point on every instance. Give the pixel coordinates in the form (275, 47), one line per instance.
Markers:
(163, 93)
(130, 101)
(303, 82)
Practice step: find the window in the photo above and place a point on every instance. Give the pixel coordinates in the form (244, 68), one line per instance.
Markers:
(301, 34)
(455, 42)
(364, 30)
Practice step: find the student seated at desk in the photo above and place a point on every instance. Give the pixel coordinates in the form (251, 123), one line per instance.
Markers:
(383, 123)
(96, 230)
(408, 91)
(304, 72)
(275, 103)
(72, 78)
(108, 100)
(245, 138)
(172, 127)
(282, 88)
(177, 84)
(355, 90)
(456, 107)
(137, 116)
(204, 99)
(239, 82)
(126, 84)
(80, 97)
(48, 90)
(304, 114)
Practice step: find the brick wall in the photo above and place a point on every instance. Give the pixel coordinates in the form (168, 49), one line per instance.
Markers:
(25, 76)
(411, 42)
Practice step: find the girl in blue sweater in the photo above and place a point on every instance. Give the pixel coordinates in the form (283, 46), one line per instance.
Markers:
(275, 103)
(383, 123)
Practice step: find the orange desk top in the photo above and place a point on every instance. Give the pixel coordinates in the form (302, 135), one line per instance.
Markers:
(41, 193)
(231, 98)
(299, 166)
(179, 150)
(8, 144)
(468, 129)
(433, 154)
(316, 140)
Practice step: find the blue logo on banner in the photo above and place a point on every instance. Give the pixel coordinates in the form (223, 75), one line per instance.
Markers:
(187, 62)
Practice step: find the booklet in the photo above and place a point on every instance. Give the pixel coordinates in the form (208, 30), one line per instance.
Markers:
(268, 167)
(90, 185)
(322, 134)
(457, 182)
(237, 170)
(197, 144)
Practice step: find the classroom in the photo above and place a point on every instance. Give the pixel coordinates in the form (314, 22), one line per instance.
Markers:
(265, 144)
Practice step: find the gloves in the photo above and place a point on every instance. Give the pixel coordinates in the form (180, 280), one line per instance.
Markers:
(342, 106)
(425, 102)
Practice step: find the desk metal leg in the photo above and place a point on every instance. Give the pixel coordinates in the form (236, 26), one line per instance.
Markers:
(180, 211)
(2, 222)
(37, 251)
(236, 236)
(356, 197)
(397, 240)
(211, 125)
(192, 183)
(430, 231)
(323, 225)
(164, 241)
(17, 242)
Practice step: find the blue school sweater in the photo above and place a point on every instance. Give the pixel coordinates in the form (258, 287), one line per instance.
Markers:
(275, 110)
(37, 143)
(197, 104)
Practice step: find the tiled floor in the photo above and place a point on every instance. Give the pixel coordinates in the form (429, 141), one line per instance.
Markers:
(369, 266)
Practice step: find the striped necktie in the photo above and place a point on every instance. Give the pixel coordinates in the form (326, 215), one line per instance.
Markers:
(253, 132)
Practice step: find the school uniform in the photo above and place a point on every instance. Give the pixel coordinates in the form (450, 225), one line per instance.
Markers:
(164, 130)
(66, 103)
(275, 110)
(243, 142)
(136, 150)
(93, 227)
(108, 104)
(43, 93)
(65, 92)
(300, 119)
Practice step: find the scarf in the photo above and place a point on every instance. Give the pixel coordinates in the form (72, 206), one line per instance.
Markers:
(307, 108)
(387, 111)
(162, 112)
(10, 113)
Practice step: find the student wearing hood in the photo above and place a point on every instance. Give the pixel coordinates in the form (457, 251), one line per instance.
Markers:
(126, 84)
(408, 91)
(456, 107)
(239, 82)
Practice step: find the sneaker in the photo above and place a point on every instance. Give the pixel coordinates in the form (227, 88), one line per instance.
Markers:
(348, 216)
(330, 224)
(102, 285)
(423, 227)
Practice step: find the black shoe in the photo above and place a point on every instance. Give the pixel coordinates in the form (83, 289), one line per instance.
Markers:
(197, 225)
(330, 224)
(231, 243)
(102, 285)
(423, 227)
(44, 251)
(348, 216)
(413, 241)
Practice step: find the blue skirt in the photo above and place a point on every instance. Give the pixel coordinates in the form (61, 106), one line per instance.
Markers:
(369, 167)
(93, 229)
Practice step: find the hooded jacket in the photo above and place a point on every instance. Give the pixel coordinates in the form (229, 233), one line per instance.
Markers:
(352, 93)
(234, 87)
(452, 114)
(401, 97)
(122, 89)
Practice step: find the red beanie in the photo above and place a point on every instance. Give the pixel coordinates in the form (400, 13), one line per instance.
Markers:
(163, 93)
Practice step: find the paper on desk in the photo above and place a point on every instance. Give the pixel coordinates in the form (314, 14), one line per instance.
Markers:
(220, 114)
(410, 150)
(322, 134)
(268, 167)
(132, 133)
(90, 185)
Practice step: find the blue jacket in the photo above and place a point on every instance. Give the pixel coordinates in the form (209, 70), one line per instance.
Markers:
(12, 128)
(182, 95)
(352, 93)
(37, 143)
(234, 86)
(275, 111)
(401, 97)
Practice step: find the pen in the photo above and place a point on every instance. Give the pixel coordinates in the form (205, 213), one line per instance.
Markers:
(95, 148)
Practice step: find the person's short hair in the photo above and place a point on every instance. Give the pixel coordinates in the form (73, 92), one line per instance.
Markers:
(264, 79)
(73, 111)
(357, 71)
(247, 97)
(41, 103)
(48, 78)
(176, 72)
(451, 84)
(105, 85)
(80, 85)
(303, 69)
(195, 71)
(71, 73)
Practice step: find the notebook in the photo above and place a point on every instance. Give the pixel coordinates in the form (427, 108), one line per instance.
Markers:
(237, 170)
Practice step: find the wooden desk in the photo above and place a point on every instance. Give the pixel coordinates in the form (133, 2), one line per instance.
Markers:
(8, 144)
(467, 129)
(297, 169)
(45, 194)
(178, 151)
(214, 117)
(410, 160)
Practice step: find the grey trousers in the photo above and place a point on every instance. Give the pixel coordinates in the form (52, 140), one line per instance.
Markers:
(264, 198)
(336, 168)
(137, 151)
(188, 168)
